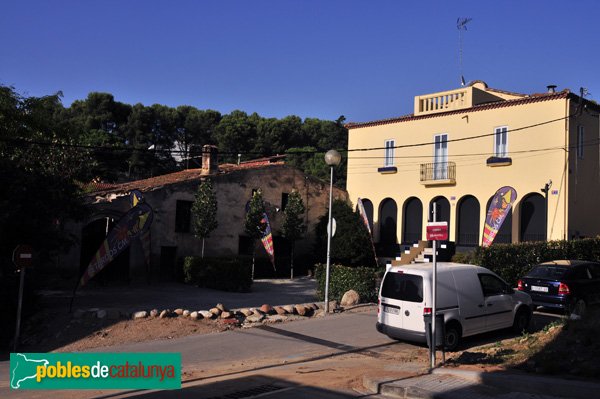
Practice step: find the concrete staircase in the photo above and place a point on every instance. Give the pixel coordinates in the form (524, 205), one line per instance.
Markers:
(411, 255)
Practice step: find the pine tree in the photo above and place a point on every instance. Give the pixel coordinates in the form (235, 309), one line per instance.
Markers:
(253, 225)
(293, 225)
(204, 211)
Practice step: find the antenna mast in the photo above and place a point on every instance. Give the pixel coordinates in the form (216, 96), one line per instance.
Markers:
(461, 24)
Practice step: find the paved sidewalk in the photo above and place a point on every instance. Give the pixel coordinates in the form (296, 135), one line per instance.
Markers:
(450, 383)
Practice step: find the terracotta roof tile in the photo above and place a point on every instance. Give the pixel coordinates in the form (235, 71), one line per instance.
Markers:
(481, 107)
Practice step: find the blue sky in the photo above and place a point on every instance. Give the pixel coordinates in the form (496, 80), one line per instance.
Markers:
(362, 59)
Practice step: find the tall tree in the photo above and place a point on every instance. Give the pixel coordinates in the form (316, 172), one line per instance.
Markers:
(253, 224)
(293, 225)
(204, 211)
(236, 133)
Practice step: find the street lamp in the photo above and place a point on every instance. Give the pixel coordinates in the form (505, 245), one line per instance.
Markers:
(332, 158)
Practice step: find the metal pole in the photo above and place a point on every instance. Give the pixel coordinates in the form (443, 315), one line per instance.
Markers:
(20, 304)
(433, 295)
(329, 231)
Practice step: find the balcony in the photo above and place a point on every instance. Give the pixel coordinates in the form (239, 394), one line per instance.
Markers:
(438, 173)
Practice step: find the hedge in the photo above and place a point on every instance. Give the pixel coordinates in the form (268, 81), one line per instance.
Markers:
(226, 274)
(513, 261)
(342, 278)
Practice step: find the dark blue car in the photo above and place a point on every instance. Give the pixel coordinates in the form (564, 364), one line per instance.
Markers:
(569, 285)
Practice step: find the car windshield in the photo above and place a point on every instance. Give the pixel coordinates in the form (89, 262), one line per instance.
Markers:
(404, 287)
(547, 272)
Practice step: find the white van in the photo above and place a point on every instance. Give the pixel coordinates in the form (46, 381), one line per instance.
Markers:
(472, 299)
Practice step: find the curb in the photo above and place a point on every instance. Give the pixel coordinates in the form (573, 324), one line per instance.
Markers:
(527, 383)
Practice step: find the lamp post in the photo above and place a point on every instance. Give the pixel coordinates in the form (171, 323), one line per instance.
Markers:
(545, 190)
(332, 158)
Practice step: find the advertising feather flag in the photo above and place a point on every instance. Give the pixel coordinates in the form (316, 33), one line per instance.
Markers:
(497, 212)
(267, 238)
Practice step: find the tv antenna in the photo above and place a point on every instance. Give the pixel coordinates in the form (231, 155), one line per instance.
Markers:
(461, 24)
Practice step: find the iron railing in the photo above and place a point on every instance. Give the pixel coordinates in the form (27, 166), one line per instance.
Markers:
(438, 171)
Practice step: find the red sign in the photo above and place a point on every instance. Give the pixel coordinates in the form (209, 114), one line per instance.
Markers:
(437, 231)
(23, 256)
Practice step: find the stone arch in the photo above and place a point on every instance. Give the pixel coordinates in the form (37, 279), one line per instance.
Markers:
(412, 220)
(532, 213)
(467, 221)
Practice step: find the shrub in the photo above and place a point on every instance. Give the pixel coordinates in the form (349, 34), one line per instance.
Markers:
(226, 274)
(512, 261)
(344, 278)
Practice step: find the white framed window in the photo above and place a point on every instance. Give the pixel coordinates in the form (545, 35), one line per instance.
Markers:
(440, 156)
(580, 133)
(501, 141)
(389, 153)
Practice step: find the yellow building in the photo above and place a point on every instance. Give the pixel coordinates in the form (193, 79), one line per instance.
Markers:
(460, 146)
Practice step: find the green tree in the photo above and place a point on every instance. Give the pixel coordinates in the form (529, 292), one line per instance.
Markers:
(236, 133)
(293, 224)
(253, 223)
(351, 245)
(204, 211)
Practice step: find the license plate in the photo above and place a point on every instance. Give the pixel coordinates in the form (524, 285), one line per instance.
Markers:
(388, 309)
(539, 289)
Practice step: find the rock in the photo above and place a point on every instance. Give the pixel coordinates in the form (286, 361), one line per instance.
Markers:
(226, 315)
(231, 322)
(165, 313)
(186, 313)
(290, 309)
(350, 298)
(140, 315)
(101, 314)
(154, 313)
(194, 315)
(279, 310)
(216, 311)
(276, 318)
(314, 306)
(255, 318)
(301, 310)
(206, 314)
(257, 311)
(178, 311)
(113, 314)
(266, 308)
(246, 312)
(221, 307)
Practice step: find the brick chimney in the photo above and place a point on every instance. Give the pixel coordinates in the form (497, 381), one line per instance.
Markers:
(210, 162)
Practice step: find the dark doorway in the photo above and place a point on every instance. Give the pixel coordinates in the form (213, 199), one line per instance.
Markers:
(92, 236)
(504, 235)
(533, 218)
(368, 205)
(168, 263)
(413, 221)
(388, 214)
(468, 222)
(442, 210)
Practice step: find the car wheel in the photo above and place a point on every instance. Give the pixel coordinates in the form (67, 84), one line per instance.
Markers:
(521, 321)
(578, 308)
(452, 336)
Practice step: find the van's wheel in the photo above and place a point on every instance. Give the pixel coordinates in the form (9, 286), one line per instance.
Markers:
(522, 319)
(578, 308)
(452, 336)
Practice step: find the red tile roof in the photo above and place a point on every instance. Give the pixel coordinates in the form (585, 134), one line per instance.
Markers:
(183, 176)
(481, 107)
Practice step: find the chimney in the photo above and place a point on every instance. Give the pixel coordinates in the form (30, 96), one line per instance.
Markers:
(210, 162)
(551, 88)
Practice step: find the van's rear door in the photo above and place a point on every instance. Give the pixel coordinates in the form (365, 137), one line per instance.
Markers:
(402, 300)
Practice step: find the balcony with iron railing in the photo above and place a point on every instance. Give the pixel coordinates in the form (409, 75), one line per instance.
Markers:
(438, 173)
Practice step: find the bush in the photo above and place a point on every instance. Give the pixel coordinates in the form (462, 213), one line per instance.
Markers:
(226, 274)
(512, 261)
(344, 278)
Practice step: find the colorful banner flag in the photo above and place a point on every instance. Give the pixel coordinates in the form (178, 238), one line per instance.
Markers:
(135, 222)
(267, 238)
(499, 209)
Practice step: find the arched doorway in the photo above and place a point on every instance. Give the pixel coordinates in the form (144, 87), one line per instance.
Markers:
(412, 218)
(467, 227)
(504, 235)
(442, 210)
(92, 236)
(368, 205)
(388, 216)
(533, 218)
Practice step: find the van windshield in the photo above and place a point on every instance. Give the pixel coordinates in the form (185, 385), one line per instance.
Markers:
(404, 287)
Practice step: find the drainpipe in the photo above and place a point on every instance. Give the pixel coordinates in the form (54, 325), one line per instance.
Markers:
(566, 172)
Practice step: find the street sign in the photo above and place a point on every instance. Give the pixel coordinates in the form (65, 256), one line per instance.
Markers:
(23, 256)
(437, 231)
